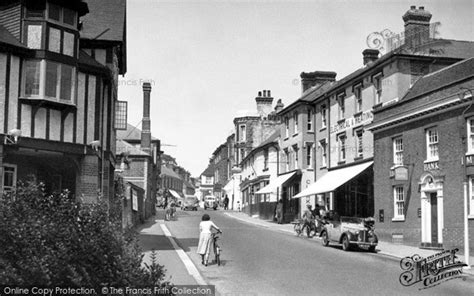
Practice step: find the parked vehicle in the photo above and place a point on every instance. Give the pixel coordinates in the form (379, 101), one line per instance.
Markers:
(349, 231)
(190, 203)
(210, 201)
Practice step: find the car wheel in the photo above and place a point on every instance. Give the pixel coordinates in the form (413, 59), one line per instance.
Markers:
(372, 249)
(325, 239)
(345, 243)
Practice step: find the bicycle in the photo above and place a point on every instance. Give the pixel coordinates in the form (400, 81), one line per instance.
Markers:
(217, 248)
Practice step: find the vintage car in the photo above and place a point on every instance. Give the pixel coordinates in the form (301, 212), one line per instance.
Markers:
(210, 201)
(349, 231)
(190, 203)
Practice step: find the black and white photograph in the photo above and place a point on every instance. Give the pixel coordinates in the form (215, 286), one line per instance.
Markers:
(236, 147)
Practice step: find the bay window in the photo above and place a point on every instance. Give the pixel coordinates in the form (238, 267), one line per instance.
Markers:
(49, 80)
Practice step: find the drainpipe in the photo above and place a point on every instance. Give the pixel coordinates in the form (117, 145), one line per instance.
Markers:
(466, 202)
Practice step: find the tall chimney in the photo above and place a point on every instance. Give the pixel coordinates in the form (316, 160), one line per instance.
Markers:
(146, 132)
(370, 55)
(417, 26)
(315, 78)
(264, 103)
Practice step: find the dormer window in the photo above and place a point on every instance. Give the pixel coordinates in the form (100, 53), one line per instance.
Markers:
(61, 15)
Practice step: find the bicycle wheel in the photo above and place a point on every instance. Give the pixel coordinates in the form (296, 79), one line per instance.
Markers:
(298, 229)
(218, 256)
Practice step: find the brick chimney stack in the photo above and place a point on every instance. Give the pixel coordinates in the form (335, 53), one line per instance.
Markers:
(315, 78)
(146, 132)
(417, 26)
(279, 106)
(370, 55)
(264, 103)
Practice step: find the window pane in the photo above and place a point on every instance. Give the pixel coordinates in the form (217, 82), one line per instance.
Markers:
(32, 78)
(69, 16)
(54, 12)
(68, 46)
(51, 79)
(34, 36)
(66, 82)
(54, 40)
(8, 177)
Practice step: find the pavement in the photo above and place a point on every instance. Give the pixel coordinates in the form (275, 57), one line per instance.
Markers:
(395, 251)
(155, 236)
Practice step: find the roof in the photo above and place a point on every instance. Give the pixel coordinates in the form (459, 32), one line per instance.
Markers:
(8, 38)
(169, 172)
(123, 146)
(441, 78)
(309, 95)
(131, 133)
(86, 59)
(440, 48)
(209, 171)
(272, 138)
(105, 21)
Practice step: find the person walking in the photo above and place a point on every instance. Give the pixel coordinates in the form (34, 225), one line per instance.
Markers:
(226, 203)
(279, 212)
(308, 219)
(205, 237)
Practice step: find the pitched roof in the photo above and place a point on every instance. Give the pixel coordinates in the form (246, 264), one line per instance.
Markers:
(131, 133)
(8, 38)
(441, 78)
(105, 21)
(272, 138)
(209, 171)
(86, 59)
(123, 146)
(169, 172)
(309, 95)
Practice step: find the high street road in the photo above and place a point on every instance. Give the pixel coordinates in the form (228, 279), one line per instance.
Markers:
(260, 261)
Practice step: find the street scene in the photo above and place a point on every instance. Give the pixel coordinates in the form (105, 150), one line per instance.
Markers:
(155, 147)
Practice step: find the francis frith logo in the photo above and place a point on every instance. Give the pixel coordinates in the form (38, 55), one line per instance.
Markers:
(432, 270)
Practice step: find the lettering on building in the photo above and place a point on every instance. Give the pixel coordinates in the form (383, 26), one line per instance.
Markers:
(363, 118)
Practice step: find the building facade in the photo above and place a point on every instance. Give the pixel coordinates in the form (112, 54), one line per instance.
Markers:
(424, 154)
(58, 91)
(344, 157)
(297, 143)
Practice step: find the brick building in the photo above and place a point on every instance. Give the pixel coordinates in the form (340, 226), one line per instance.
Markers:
(138, 155)
(297, 143)
(424, 150)
(219, 160)
(344, 157)
(252, 128)
(58, 91)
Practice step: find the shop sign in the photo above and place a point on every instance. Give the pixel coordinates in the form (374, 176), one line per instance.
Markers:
(364, 117)
(431, 166)
(401, 173)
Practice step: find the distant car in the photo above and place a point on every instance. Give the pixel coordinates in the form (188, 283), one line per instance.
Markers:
(190, 203)
(210, 201)
(349, 231)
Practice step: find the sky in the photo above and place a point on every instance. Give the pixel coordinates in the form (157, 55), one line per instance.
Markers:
(207, 60)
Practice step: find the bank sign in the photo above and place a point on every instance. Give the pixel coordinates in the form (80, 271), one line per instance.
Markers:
(362, 118)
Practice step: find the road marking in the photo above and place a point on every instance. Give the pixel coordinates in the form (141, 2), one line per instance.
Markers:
(191, 268)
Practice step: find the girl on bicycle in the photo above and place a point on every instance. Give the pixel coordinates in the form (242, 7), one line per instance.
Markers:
(205, 238)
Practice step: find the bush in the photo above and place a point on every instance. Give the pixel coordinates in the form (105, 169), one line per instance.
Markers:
(53, 240)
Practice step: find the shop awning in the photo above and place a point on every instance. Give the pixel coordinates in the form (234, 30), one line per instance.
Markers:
(275, 183)
(174, 193)
(229, 186)
(333, 179)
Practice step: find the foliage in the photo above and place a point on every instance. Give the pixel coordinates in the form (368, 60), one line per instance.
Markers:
(54, 240)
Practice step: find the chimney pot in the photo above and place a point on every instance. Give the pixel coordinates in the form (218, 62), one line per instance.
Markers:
(370, 55)
(259, 93)
(269, 94)
(264, 93)
(421, 8)
(413, 7)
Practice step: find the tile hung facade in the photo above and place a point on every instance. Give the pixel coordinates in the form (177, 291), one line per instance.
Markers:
(58, 90)
(419, 177)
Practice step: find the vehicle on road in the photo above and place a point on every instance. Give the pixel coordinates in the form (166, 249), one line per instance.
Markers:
(300, 227)
(210, 201)
(190, 203)
(349, 231)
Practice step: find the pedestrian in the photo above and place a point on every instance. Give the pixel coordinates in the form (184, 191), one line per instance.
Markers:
(308, 219)
(238, 206)
(317, 211)
(279, 212)
(226, 202)
(205, 237)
